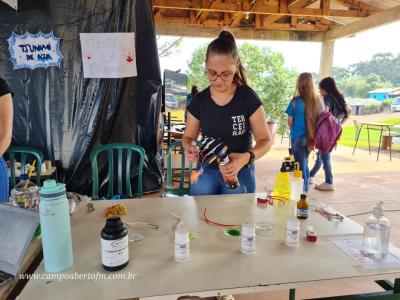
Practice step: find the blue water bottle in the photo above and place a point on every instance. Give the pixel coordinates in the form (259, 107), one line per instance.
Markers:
(56, 227)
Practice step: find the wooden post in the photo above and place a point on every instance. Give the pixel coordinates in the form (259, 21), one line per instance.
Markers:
(326, 61)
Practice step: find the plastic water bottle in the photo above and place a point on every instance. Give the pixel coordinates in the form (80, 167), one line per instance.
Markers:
(56, 227)
(376, 234)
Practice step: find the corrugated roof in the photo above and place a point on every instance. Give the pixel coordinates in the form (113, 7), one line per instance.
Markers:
(386, 90)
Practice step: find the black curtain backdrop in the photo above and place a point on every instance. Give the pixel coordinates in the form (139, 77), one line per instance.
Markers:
(65, 115)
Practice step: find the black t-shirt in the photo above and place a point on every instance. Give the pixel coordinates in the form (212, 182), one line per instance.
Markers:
(4, 88)
(230, 122)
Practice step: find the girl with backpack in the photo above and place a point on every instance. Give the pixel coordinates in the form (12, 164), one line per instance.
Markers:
(303, 111)
(336, 105)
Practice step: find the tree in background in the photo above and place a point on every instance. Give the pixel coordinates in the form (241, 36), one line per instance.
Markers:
(196, 68)
(167, 48)
(267, 75)
(382, 71)
(356, 86)
(385, 65)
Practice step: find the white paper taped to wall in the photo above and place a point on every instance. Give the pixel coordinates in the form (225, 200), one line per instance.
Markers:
(12, 3)
(108, 55)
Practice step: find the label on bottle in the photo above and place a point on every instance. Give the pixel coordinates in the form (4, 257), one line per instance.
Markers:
(114, 252)
(292, 236)
(181, 251)
(302, 213)
(248, 244)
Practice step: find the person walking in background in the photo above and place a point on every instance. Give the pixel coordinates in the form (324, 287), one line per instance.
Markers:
(303, 111)
(335, 103)
(6, 123)
(189, 98)
(230, 111)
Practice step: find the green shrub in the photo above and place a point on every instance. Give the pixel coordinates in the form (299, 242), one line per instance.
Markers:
(371, 108)
(386, 103)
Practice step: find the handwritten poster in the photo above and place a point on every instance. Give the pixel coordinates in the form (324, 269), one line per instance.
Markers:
(12, 3)
(108, 55)
(32, 51)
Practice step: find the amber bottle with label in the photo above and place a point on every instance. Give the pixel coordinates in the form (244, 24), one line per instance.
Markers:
(302, 207)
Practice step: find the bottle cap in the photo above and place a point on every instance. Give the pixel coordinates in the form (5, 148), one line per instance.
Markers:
(378, 209)
(283, 167)
(297, 173)
(113, 225)
(248, 230)
(292, 223)
(52, 189)
(23, 177)
(303, 196)
(182, 236)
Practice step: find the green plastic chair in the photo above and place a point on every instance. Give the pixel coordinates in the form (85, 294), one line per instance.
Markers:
(170, 191)
(23, 153)
(119, 147)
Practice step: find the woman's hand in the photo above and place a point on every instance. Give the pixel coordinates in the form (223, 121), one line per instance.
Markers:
(237, 162)
(192, 153)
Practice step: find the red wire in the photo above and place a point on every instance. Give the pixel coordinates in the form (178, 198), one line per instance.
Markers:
(208, 221)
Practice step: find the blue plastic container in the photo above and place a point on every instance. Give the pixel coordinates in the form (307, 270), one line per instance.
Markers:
(56, 227)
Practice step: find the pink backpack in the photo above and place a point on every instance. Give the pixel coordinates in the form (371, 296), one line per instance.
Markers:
(327, 133)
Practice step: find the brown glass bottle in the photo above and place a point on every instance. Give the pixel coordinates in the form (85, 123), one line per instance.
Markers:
(302, 207)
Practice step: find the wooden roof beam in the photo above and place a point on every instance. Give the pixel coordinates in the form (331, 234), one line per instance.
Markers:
(221, 23)
(270, 19)
(296, 8)
(378, 19)
(240, 33)
(358, 5)
(325, 6)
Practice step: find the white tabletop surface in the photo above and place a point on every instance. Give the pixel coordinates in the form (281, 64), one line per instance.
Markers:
(216, 264)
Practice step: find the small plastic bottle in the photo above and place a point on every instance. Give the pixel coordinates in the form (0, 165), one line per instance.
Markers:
(282, 184)
(302, 207)
(248, 244)
(376, 234)
(296, 184)
(231, 183)
(114, 245)
(292, 232)
(182, 244)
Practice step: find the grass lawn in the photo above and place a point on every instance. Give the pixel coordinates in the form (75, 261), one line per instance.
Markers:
(348, 137)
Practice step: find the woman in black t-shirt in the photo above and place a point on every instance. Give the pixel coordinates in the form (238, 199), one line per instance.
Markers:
(230, 111)
(6, 120)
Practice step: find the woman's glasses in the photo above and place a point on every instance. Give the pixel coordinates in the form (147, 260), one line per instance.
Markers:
(225, 76)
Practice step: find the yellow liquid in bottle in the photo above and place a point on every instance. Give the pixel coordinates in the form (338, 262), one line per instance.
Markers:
(282, 186)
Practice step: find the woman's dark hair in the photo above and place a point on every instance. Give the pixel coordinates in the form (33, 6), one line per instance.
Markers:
(328, 84)
(194, 90)
(225, 44)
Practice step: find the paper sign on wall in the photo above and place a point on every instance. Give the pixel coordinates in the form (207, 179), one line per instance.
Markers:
(108, 55)
(12, 3)
(32, 51)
